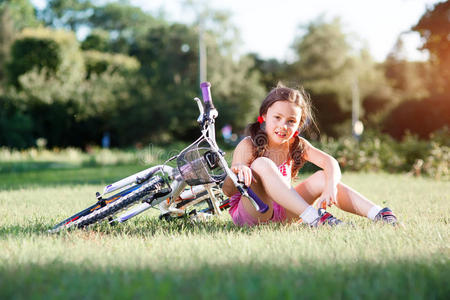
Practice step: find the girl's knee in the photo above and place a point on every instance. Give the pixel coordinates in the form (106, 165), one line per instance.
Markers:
(319, 178)
(262, 164)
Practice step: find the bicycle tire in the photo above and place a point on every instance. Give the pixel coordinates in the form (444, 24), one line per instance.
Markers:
(82, 220)
(144, 193)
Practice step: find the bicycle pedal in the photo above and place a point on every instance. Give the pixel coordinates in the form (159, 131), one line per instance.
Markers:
(112, 222)
(224, 204)
(162, 193)
(164, 216)
(201, 217)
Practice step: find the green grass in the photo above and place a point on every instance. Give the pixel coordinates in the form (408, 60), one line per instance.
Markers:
(147, 258)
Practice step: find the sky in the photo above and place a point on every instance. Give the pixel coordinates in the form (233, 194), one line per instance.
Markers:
(269, 27)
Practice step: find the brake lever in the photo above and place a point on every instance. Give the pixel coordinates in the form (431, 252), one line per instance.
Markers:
(201, 109)
(242, 183)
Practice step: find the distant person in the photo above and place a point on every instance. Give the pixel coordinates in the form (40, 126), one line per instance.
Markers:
(272, 155)
(106, 140)
(227, 133)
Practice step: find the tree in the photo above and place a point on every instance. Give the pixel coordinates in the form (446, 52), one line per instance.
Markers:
(169, 58)
(406, 77)
(98, 40)
(55, 53)
(21, 12)
(69, 14)
(327, 66)
(419, 117)
(123, 22)
(6, 38)
(122, 19)
(324, 64)
(271, 71)
(434, 28)
(432, 112)
(14, 16)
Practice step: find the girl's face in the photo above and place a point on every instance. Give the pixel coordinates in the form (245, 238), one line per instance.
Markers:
(282, 120)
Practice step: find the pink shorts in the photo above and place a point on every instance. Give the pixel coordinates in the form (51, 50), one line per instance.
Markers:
(241, 217)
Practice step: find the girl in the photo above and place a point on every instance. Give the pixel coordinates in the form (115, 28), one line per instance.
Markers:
(273, 154)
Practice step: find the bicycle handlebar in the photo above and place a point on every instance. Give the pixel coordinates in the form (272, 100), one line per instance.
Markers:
(206, 92)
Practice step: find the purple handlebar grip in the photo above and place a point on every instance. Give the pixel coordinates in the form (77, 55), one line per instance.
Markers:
(206, 91)
(262, 207)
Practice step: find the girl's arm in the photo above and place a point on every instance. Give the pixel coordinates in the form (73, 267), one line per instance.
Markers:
(242, 158)
(331, 169)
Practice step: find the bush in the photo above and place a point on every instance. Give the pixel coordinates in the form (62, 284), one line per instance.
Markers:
(15, 125)
(55, 51)
(382, 153)
(32, 52)
(99, 62)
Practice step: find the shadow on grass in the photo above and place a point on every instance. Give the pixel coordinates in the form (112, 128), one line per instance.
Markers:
(143, 227)
(20, 167)
(389, 280)
(152, 226)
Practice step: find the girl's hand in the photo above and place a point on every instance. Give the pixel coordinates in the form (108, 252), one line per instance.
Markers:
(328, 196)
(244, 174)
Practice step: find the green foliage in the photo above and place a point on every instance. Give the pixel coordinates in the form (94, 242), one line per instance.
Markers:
(14, 16)
(236, 89)
(126, 20)
(71, 97)
(323, 57)
(410, 80)
(97, 40)
(53, 53)
(7, 33)
(168, 82)
(99, 62)
(22, 13)
(44, 54)
(68, 105)
(434, 28)
(327, 64)
(383, 153)
(122, 22)
(70, 14)
(39, 158)
(436, 164)
(329, 68)
(15, 124)
(419, 117)
(271, 70)
(332, 120)
(125, 23)
(169, 60)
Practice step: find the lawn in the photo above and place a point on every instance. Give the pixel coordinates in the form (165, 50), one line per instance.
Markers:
(148, 258)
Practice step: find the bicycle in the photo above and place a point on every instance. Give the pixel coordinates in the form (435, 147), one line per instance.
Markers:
(201, 165)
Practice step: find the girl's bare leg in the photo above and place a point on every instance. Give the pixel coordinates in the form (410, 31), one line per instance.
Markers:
(271, 185)
(348, 199)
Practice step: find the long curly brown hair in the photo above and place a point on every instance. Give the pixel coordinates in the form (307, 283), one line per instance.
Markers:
(296, 148)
